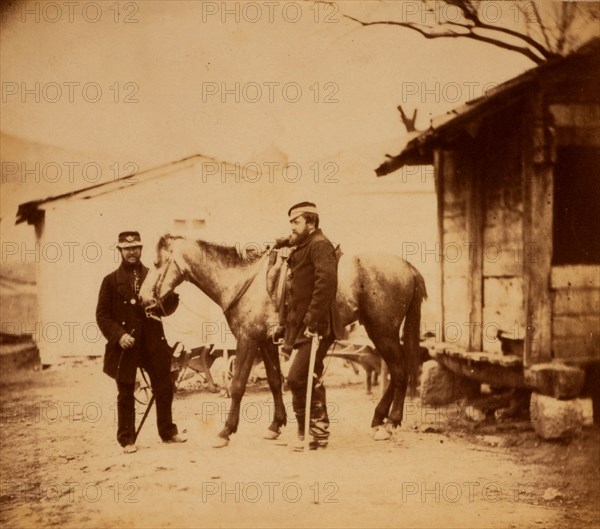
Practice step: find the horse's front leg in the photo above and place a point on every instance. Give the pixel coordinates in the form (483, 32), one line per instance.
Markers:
(245, 353)
(369, 372)
(270, 355)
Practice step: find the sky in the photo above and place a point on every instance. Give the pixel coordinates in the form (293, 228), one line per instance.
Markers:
(94, 90)
(156, 81)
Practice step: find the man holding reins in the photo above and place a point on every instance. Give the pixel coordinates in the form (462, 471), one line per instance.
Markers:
(134, 340)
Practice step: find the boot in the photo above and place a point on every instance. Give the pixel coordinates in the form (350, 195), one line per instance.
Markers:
(319, 420)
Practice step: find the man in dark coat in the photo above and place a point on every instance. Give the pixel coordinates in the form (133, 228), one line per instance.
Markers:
(310, 296)
(134, 340)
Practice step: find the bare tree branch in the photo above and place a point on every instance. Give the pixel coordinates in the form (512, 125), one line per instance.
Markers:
(434, 33)
(545, 52)
(470, 12)
(541, 25)
(409, 123)
(539, 40)
(566, 19)
(468, 9)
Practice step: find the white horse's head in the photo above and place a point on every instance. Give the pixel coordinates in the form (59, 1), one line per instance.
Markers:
(156, 292)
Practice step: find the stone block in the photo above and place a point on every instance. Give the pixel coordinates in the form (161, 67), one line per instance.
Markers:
(553, 418)
(587, 409)
(441, 386)
(556, 380)
(19, 356)
(474, 414)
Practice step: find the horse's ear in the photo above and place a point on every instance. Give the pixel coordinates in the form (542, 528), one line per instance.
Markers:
(252, 254)
(338, 252)
(163, 242)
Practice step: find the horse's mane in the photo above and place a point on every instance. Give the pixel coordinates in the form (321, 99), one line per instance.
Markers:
(232, 255)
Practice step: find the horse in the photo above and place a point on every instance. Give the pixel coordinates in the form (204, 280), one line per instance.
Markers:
(379, 290)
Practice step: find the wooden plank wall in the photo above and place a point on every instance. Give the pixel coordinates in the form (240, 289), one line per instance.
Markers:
(482, 245)
(576, 313)
(575, 289)
(456, 189)
(502, 252)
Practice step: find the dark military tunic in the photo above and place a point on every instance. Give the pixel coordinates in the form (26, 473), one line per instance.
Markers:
(311, 290)
(119, 312)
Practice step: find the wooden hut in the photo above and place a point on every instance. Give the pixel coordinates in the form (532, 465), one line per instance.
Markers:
(518, 183)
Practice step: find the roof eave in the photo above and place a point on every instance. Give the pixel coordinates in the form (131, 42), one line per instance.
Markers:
(498, 98)
(419, 151)
(30, 212)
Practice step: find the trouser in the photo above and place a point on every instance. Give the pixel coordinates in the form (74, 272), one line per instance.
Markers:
(297, 381)
(162, 389)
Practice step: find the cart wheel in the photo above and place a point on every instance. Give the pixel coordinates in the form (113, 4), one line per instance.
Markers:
(284, 365)
(230, 368)
(178, 375)
(284, 358)
(143, 391)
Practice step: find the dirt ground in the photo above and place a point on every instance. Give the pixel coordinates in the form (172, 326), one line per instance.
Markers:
(61, 465)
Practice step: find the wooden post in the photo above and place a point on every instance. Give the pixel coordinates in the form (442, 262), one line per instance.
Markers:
(474, 213)
(438, 168)
(538, 187)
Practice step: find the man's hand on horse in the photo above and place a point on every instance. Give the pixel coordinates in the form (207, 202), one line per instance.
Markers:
(282, 242)
(126, 341)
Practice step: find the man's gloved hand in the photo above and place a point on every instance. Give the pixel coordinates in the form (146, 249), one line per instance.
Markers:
(310, 333)
(278, 333)
(126, 341)
(282, 242)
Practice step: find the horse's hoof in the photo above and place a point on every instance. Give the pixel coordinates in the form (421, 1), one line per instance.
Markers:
(271, 435)
(382, 433)
(220, 443)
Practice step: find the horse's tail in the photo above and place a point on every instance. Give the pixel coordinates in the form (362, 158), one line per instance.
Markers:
(412, 329)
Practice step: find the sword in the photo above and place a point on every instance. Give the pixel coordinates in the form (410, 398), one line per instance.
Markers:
(137, 432)
(309, 387)
(139, 428)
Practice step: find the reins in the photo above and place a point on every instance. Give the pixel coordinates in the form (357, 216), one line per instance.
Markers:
(159, 282)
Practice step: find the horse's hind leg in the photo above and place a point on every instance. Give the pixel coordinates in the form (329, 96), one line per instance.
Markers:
(270, 354)
(389, 347)
(383, 407)
(398, 376)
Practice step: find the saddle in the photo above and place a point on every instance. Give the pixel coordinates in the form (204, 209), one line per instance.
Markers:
(277, 278)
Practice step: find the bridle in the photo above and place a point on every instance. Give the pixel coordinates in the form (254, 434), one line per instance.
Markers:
(158, 284)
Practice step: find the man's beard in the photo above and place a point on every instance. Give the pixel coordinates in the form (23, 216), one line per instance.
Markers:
(131, 265)
(298, 238)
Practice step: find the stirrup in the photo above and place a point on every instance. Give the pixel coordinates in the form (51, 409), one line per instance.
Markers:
(281, 339)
